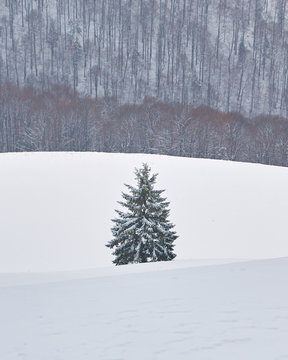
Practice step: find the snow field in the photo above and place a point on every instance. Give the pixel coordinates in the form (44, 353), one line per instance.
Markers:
(237, 311)
(56, 208)
(55, 214)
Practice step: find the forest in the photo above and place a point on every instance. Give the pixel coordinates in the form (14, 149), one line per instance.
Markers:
(60, 120)
(230, 55)
(195, 78)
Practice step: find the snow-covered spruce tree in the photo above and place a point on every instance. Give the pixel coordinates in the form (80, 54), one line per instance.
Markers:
(143, 233)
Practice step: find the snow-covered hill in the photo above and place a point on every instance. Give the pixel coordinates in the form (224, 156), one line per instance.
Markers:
(56, 208)
(217, 312)
(55, 214)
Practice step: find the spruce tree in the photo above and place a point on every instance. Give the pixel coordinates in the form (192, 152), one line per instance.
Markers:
(143, 233)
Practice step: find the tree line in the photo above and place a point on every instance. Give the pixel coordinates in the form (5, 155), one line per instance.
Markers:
(60, 120)
(227, 54)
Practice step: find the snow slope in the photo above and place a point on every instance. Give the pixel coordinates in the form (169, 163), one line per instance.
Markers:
(56, 208)
(237, 311)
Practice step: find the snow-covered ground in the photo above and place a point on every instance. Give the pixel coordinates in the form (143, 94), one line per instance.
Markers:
(55, 214)
(233, 311)
(56, 208)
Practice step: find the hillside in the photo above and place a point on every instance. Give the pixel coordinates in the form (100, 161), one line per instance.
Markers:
(230, 55)
(56, 208)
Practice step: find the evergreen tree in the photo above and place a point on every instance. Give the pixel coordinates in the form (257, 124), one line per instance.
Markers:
(143, 233)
